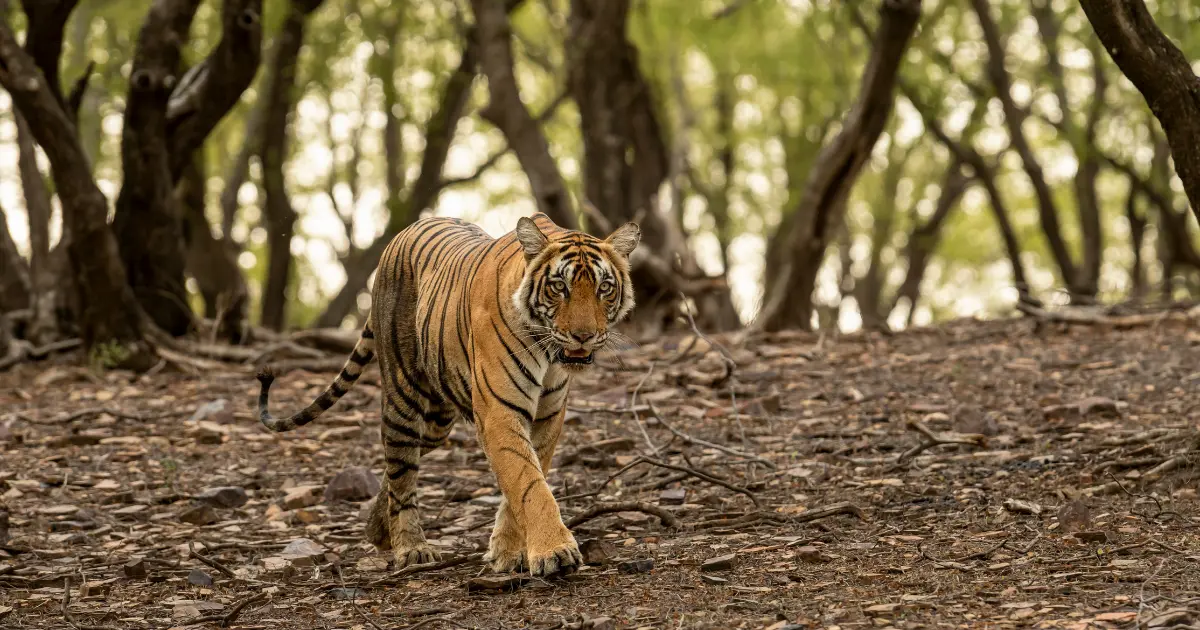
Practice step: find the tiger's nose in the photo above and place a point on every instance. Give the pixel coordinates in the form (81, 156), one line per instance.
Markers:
(583, 336)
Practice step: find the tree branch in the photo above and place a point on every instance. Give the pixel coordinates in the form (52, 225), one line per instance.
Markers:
(508, 113)
(211, 88)
(1163, 75)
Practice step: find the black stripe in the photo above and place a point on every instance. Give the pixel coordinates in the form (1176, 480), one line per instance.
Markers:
(524, 456)
(549, 417)
(361, 360)
(337, 389)
(556, 388)
(528, 488)
(524, 413)
(367, 333)
(401, 468)
(348, 377)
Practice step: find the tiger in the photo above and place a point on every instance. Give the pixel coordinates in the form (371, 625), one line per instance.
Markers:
(489, 330)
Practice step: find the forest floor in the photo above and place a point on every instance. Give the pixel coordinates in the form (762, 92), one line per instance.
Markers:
(803, 483)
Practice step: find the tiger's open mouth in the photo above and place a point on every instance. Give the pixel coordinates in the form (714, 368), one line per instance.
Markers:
(574, 357)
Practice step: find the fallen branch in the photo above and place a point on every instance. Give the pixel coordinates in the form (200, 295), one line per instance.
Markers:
(695, 473)
(932, 439)
(1098, 319)
(668, 519)
(844, 507)
(228, 618)
(24, 351)
(209, 561)
(394, 578)
(96, 411)
(687, 439)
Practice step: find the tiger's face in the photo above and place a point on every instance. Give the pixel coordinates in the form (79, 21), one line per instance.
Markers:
(574, 289)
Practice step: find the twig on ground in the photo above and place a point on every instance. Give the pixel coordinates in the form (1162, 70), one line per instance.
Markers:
(843, 507)
(66, 612)
(668, 519)
(426, 622)
(95, 411)
(354, 600)
(985, 553)
(226, 619)
(633, 408)
(699, 475)
(429, 566)
(688, 439)
(209, 561)
(1096, 319)
(932, 439)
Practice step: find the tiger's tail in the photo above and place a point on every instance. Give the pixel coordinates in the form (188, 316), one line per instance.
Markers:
(364, 352)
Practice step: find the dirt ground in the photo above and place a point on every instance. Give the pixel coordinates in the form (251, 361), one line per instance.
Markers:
(982, 475)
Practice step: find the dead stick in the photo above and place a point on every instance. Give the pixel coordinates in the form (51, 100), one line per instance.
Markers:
(226, 619)
(354, 600)
(844, 507)
(66, 613)
(706, 477)
(693, 440)
(429, 566)
(668, 519)
(210, 562)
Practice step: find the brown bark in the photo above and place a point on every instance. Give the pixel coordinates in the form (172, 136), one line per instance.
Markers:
(925, 236)
(1014, 118)
(819, 212)
(14, 274)
(280, 217)
(212, 262)
(110, 318)
(868, 290)
(207, 92)
(1163, 75)
(1086, 284)
(44, 287)
(1137, 232)
(508, 113)
(147, 222)
(47, 21)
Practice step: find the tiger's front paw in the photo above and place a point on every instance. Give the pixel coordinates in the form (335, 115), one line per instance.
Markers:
(505, 560)
(564, 558)
(420, 553)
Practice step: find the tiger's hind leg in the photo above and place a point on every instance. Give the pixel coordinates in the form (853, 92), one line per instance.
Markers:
(395, 522)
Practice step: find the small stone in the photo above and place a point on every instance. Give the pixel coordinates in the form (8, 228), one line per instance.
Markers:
(640, 565)
(307, 516)
(352, 484)
(614, 445)
(714, 580)
(200, 578)
(719, 563)
(348, 593)
(224, 497)
(1093, 537)
(809, 553)
(371, 565)
(275, 513)
(1093, 406)
(302, 552)
(673, 496)
(215, 411)
(135, 569)
(1017, 506)
(275, 563)
(495, 584)
(596, 551)
(339, 433)
(600, 623)
(202, 514)
(301, 497)
(1074, 516)
(58, 510)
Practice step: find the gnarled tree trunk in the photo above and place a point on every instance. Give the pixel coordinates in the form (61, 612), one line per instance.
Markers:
(279, 214)
(820, 211)
(110, 317)
(14, 274)
(1163, 75)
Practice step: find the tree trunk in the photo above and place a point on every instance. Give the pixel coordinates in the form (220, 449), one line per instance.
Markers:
(508, 113)
(14, 275)
(212, 262)
(924, 239)
(147, 222)
(403, 210)
(110, 317)
(819, 213)
(37, 210)
(1014, 117)
(1163, 75)
(1137, 235)
(279, 214)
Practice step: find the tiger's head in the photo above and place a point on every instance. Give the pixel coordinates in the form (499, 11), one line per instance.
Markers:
(575, 287)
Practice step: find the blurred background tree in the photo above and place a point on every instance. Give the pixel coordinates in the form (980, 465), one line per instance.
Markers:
(232, 167)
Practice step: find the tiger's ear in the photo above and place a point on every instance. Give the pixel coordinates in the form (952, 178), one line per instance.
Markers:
(532, 239)
(625, 239)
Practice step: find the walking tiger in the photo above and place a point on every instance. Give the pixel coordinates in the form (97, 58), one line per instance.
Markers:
(490, 330)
